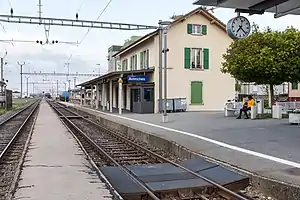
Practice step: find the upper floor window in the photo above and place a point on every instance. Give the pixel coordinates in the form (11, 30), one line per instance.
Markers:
(197, 29)
(125, 64)
(196, 58)
(144, 59)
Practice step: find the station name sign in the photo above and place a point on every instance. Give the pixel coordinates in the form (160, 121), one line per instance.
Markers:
(138, 79)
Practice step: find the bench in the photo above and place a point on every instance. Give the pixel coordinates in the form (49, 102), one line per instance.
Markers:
(233, 108)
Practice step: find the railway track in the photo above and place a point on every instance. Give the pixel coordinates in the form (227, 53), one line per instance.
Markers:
(15, 133)
(108, 147)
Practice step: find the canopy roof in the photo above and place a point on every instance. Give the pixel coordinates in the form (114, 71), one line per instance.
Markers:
(279, 7)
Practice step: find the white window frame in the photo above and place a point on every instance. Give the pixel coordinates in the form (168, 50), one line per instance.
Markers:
(196, 58)
(196, 29)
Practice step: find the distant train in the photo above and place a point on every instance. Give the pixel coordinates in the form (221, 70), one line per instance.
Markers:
(64, 96)
(48, 95)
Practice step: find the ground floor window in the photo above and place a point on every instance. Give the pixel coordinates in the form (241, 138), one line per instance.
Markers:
(196, 92)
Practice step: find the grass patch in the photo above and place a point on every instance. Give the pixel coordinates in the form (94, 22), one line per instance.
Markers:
(17, 103)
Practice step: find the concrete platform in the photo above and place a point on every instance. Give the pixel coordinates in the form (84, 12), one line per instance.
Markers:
(55, 167)
(267, 147)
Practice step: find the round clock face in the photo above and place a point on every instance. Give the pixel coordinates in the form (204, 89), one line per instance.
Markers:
(238, 27)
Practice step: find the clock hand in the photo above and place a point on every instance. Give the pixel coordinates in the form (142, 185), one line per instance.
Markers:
(243, 30)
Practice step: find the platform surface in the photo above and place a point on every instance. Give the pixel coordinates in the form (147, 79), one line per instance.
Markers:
(55, 167)
(268, 147)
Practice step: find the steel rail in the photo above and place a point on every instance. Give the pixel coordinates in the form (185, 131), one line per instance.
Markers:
(117, 133)
(233, 194)
(19, 130)
(124, 169)
(100, 174)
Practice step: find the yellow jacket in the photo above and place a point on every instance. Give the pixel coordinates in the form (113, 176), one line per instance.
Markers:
(250, 103)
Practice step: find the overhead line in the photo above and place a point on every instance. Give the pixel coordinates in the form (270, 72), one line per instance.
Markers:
(104, 9)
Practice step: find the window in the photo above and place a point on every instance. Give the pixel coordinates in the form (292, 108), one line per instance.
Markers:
(295, 86)
(196, 92)
(135, 95)
(133, 62)
(148, 94)
(125, 65)
(196, 58)
(197, 29)
(144, 59)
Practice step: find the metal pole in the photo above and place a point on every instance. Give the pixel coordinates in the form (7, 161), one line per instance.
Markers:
(27, 86)
(165, 115)
(69, 84)
(21, 73)
(2, 83)
(160, 67)
(74, 82)
(21, 81)
(33, 88)
(57, 94)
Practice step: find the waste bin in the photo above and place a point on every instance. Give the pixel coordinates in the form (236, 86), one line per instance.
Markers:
(180, 104)
(276, 111)
(260, 105)
(170, 105)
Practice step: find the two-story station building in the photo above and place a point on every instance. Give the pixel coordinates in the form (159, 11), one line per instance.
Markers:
(196, 42)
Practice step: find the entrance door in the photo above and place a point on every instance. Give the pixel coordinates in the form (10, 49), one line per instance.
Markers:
(136, 100)
(148, 100)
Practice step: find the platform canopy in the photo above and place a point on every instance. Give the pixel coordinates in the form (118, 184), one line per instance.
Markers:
(279, 7)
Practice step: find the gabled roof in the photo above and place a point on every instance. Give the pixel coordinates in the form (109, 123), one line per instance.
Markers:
(200, 10)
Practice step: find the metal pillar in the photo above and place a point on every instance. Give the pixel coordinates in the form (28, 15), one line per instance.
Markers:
(110, 95)
(33, 88)
(97, 95)
(120, 81)
(92, 96)
(103, 97)
(160, 68)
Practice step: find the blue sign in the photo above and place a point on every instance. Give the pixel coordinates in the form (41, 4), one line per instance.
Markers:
(138, 78)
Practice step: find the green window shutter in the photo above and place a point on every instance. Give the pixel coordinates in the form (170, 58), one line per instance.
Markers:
(123, 65)
(131, 62)
(189, 28)
(141, 60)
(187, 58)
(206, 58)
(204, 29)
(295, 86)
(135, 63)
(147, 58)
(196, 92)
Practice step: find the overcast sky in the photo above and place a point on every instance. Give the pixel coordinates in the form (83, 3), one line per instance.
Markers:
(93, 49)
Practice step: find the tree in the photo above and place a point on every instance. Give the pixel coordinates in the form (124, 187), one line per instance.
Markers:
(265, 57)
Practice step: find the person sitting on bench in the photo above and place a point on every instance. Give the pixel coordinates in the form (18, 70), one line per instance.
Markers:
(247, 106)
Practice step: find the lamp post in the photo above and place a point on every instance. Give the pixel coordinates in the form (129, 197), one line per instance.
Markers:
(164, 25)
